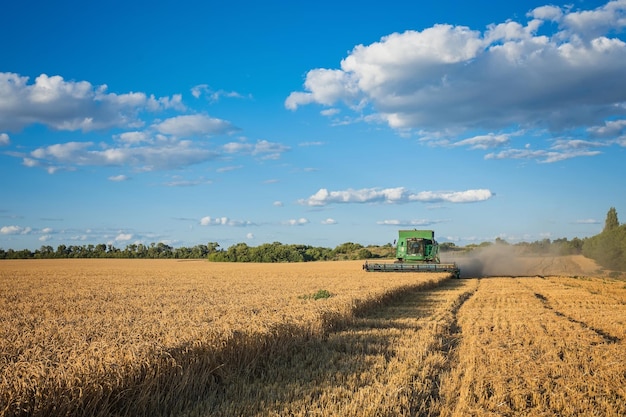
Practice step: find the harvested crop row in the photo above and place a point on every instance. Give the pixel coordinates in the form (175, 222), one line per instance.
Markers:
(599, 304)
(138, 337)
(388, 362)
(517, 355)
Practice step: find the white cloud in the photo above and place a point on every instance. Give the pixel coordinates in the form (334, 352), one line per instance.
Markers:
(330, 112)
(199, 89)
(589, 24)
(72, 105)
(223, 221)
(547, 13)
(484, 141)
(394, 196)
(229, 168)
(542, 156)
(262, 148)
(180, 182)
(269, 148)
(610, 129)
(408, 223)
(326, 87)
(135, 151)
(123, 237)
(171, 155)
(10, 230)
(212, 95)
(118, 178)
(194, 125)
(329, 221)
(237, 147)
(316, 143)
(451, 79)
(468, 196)
(297, 222)
(133, 138)
(575, 144)
(277, 203)
(14, 230)
(587, 221)
(4, 139)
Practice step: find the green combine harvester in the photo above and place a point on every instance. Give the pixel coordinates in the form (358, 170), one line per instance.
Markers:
(416, 251)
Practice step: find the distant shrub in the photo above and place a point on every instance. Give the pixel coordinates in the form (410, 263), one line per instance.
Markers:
(320, 294)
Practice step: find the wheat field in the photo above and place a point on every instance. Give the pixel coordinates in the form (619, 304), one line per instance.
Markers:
(191, 338)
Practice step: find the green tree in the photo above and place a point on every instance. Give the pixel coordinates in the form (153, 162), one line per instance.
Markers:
(46, 252)
(609, 247)
(611, 222)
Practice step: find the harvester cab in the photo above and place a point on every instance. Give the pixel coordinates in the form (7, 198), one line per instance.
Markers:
(417, 246)
(416, 251)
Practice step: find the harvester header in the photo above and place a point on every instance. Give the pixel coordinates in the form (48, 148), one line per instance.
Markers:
(416, 251)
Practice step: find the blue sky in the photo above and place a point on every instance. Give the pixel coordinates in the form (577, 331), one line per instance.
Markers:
(318, 123)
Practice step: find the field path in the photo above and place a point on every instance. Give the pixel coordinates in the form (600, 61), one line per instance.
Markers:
(388, 362)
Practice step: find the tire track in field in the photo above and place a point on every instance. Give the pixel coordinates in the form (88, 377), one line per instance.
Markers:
(450, 337)
(607, 337)
(389, 361)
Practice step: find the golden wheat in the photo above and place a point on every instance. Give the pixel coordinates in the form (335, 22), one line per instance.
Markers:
(386, 363)
(192, 338)
(519, 355)
(99, 336)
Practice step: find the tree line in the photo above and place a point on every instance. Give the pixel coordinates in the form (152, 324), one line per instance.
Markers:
(267, 252)
(240, 252)
(608, 248)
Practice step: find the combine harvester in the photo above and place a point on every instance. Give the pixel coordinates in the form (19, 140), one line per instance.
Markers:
(416, 251)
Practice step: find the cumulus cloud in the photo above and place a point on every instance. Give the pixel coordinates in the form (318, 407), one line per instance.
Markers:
(194, 125)
(610, 128)
(468, 196)
(229, 168)
(72, 105)
(143, 152)
(541, 155)
(133, 138)
(171, 155)
(329, 221)
(14, 230)
(212, 95)
(123, 237)
(454, 79)
(262, 148)
(393, 196)
(223, 221)
(484, 141)
(297, 222)
(171, 143)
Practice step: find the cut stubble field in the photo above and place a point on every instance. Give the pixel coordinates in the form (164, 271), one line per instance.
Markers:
(193, 338)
